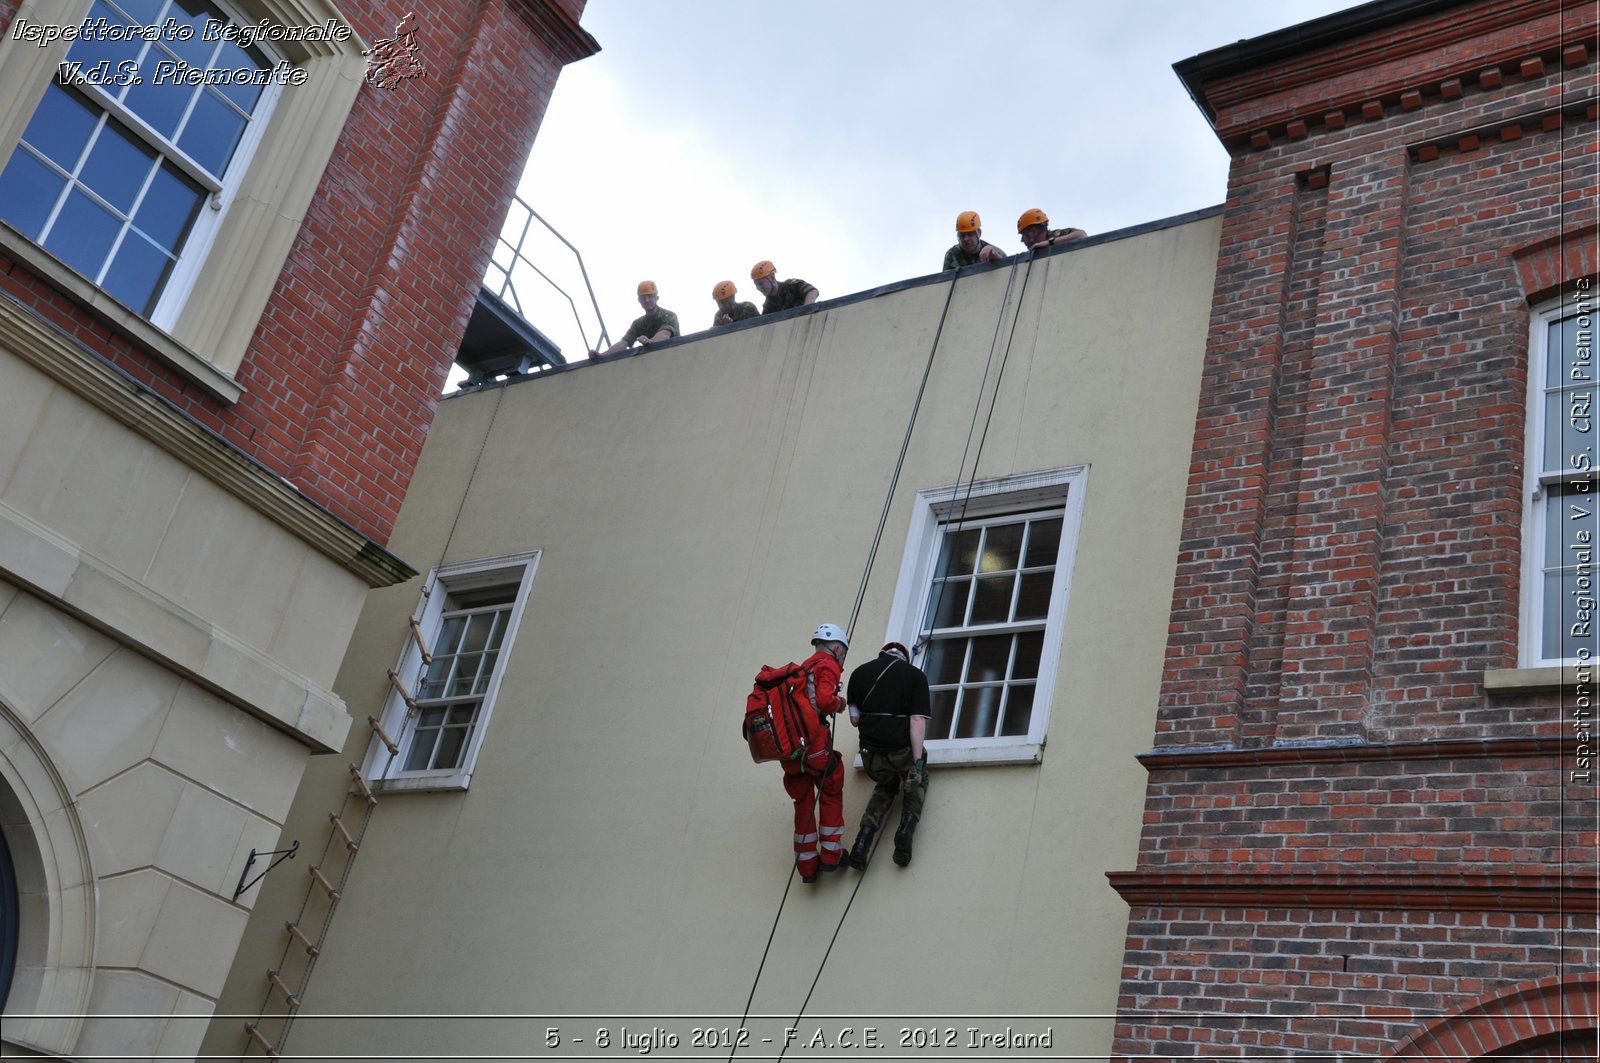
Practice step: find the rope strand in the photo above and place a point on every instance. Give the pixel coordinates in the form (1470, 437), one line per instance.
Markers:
(976, 458)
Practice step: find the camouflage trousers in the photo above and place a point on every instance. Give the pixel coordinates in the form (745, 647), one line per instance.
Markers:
(891, 773)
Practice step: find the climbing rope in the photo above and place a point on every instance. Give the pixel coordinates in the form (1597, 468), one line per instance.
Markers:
(872, 554)
(977, 457)
(855, 609)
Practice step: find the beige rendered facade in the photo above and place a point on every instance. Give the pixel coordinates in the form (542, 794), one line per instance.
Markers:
(667, 523)
(171, 620)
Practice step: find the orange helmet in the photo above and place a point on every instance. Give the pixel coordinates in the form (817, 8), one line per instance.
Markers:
(648, 288)
(723, 290)
(1035, 216)
(761, 269)
(968, 222)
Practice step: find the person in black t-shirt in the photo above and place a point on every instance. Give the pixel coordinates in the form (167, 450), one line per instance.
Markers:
(888, 699)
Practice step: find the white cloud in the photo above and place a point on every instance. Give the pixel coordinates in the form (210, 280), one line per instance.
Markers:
(841, 139)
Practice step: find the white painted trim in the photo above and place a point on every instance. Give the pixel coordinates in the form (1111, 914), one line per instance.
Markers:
(1529, 633)
(379, 767)
(1065, 487)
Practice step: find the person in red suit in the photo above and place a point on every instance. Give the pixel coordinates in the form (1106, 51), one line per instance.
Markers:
(816, 783)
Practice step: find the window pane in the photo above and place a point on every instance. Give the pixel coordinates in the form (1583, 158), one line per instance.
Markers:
(466, 676)
(28, 192)
(233, 57)
(980, 708)
(947, 603)
(162, 106)
(137, 273)
(452, 743)
(1030, 644)
(1558, 435)
(1019, 709)
(1033, 600)
(449, 640)
(196, 51)
(990, 655)
(1044, 542)
(1561, 340)
(92, 50)
(1002, 547)
(83, 234)
(499, 631)
(61, 126)
(485, 673)
(1569, 602)
(1566, 512)
(423, 739)
(992, 602)
(477, 633)
(959, 552)
(943, 706)
(211, 133)
(945, 660)
(169, 207)
(1568, 414)
(117, 167)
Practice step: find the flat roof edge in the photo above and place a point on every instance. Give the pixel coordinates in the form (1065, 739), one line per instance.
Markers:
(1127, 233)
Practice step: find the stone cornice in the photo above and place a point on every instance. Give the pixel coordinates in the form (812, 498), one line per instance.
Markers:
(1211, 757)
(1489, 891)
(97, 382)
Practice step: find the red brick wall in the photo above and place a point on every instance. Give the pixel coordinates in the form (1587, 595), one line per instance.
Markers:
(1351, 551)
(1294, 982)
(342, 378)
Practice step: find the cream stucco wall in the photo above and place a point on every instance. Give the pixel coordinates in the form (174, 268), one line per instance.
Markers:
(698, 510)
(167, 652)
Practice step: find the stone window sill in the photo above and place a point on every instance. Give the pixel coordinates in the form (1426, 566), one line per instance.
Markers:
(150, 339)
(1512, 680)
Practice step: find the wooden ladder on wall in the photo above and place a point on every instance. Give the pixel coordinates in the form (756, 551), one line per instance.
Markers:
(287, 983)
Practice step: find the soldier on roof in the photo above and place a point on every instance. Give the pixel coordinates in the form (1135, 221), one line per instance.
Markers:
(1034, 228)
(729, 311)
(656, 324)
(781, 295)
(971, 248)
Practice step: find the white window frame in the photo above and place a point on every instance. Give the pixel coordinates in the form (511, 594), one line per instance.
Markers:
(383, 769)
(1062, 488)
(228, 282)
(1580, 302)
(221, 188)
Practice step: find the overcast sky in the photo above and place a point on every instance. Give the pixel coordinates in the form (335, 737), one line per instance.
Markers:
(840, 139)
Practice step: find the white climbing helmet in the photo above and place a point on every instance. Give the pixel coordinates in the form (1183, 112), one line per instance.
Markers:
(830, 633)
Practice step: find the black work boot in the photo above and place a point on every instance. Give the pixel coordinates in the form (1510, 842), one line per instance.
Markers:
(902, 838)
(861, 851)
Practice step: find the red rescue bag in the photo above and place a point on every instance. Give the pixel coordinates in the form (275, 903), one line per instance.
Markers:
(774, 714)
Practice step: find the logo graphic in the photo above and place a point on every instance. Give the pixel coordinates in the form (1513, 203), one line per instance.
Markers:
(392, 60)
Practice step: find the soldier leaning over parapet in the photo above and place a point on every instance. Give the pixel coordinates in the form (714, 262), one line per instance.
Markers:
(781, 295)
(656, 324)
(971, 248)
(1034, 228)
(729, 311)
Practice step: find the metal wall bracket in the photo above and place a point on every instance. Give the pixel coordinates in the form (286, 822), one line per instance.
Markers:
(281, 854)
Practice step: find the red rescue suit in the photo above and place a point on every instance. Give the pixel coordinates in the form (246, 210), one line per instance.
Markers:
(820, 778)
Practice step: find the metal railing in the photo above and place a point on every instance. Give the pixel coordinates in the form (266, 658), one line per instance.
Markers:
(510, 264)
